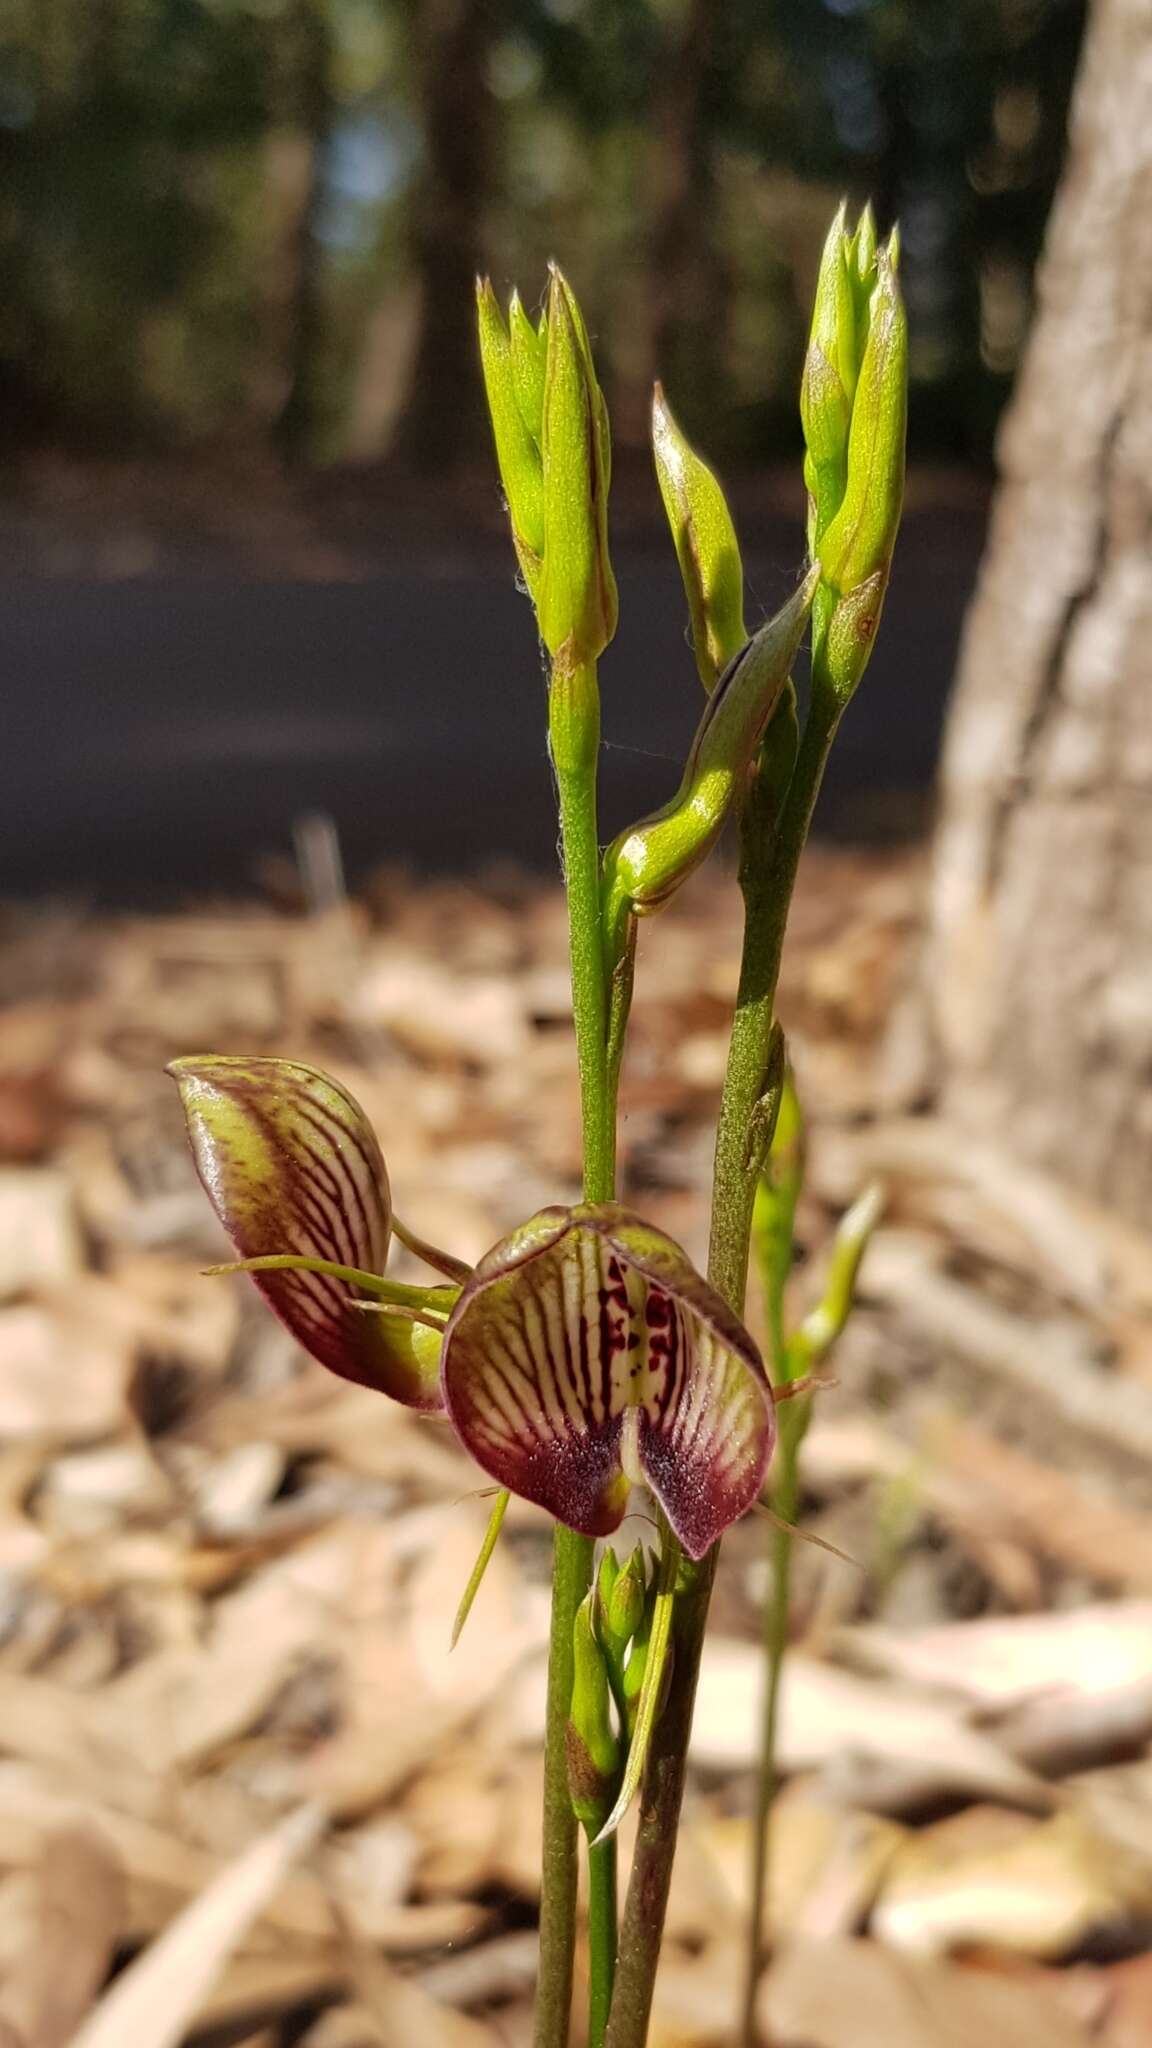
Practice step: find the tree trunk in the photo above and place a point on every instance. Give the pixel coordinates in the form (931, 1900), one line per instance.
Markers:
(688, 281)
(302, 412)
(1035, 1004)
(451, 42)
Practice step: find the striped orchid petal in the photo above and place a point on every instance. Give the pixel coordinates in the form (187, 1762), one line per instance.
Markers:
(292, 1167)
(586, 1353)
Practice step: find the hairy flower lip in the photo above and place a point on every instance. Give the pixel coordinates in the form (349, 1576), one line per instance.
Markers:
(583, 1321)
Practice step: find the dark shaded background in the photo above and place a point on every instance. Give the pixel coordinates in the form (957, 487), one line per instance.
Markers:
(251, 548)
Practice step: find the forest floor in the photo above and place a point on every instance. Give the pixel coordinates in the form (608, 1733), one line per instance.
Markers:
(246, 1794)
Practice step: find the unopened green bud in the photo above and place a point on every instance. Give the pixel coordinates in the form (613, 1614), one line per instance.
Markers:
(529, 347)
(853, 406)
(859, 541)
(625, 1609)
(706, 545)
(862, 260)
(576, 601)
(607, 1574)
(593, 1748)
(517, 450)
(825, 1323)
(829, 380)
(636, 1669)
(649, 861)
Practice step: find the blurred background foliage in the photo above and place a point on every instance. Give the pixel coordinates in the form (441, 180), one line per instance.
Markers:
(251, 224)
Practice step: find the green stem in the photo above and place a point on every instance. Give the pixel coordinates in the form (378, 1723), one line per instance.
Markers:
(767, 885)
(574, 733)
(571, 1578)
(776, 1612)
(601, 1937)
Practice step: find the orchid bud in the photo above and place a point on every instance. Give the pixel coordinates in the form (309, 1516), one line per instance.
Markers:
(829, 381)
(592, 1745)
(706, 545)
(825, 1323)
(294, 1172)
(853, 406)
(577, 605)
(624, 1611)
(550, 426)
(586, 1355)
(649, 861)
(517, 446)
(636, 1669)
(529, 347)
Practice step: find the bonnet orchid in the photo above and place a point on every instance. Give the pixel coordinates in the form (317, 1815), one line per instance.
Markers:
(583, 1356)
(586, 1355)
(295, 1173)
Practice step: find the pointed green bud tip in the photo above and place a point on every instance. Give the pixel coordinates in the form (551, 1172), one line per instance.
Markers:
(506, 382)
(648, 862)
(585, 1355)
(706, 545)
(625, 1610)
(853, 405)
(576, 603)
(292, 1166)
(863, 245)
(529, 347)
(856, 542)
(607, 1573)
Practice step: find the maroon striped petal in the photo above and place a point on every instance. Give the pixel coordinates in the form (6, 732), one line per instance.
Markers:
(291, 1165)
(586, 1352)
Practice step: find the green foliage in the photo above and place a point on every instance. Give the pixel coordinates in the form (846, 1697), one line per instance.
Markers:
(207, 204)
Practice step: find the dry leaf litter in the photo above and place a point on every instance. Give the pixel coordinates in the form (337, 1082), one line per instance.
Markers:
(246, 1794)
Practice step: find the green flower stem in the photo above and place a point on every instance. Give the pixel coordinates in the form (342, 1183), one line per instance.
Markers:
(571, 1578)
(574, 734)
(601, 1937)
(776, 1612)
(744, 1131)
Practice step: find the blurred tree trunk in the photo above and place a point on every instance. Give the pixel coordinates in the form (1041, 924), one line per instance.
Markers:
(311, 89)
(1033, 1021)
(451, 42)
(688, 283)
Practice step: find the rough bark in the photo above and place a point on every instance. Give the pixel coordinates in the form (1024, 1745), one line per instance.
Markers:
(1037, 979)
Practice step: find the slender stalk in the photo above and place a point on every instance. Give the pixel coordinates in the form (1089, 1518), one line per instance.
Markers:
(574, 731)
(601, 1937)
(741, 1139)
(571, 1578)
(775, 1638)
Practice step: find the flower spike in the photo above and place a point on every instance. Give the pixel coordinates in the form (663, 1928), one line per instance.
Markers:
(586, 1354)
(293, 1170)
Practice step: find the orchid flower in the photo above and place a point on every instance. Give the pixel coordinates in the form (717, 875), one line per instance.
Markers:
(586, 1355)
(583, 1356)
(295, 1173)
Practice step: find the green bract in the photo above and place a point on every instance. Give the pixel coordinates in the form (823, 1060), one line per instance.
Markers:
(293, 1170)
(706, 545)
(593, 1747)
(649, 861)
(553, 448)
(853, 406)
(586, 1354)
